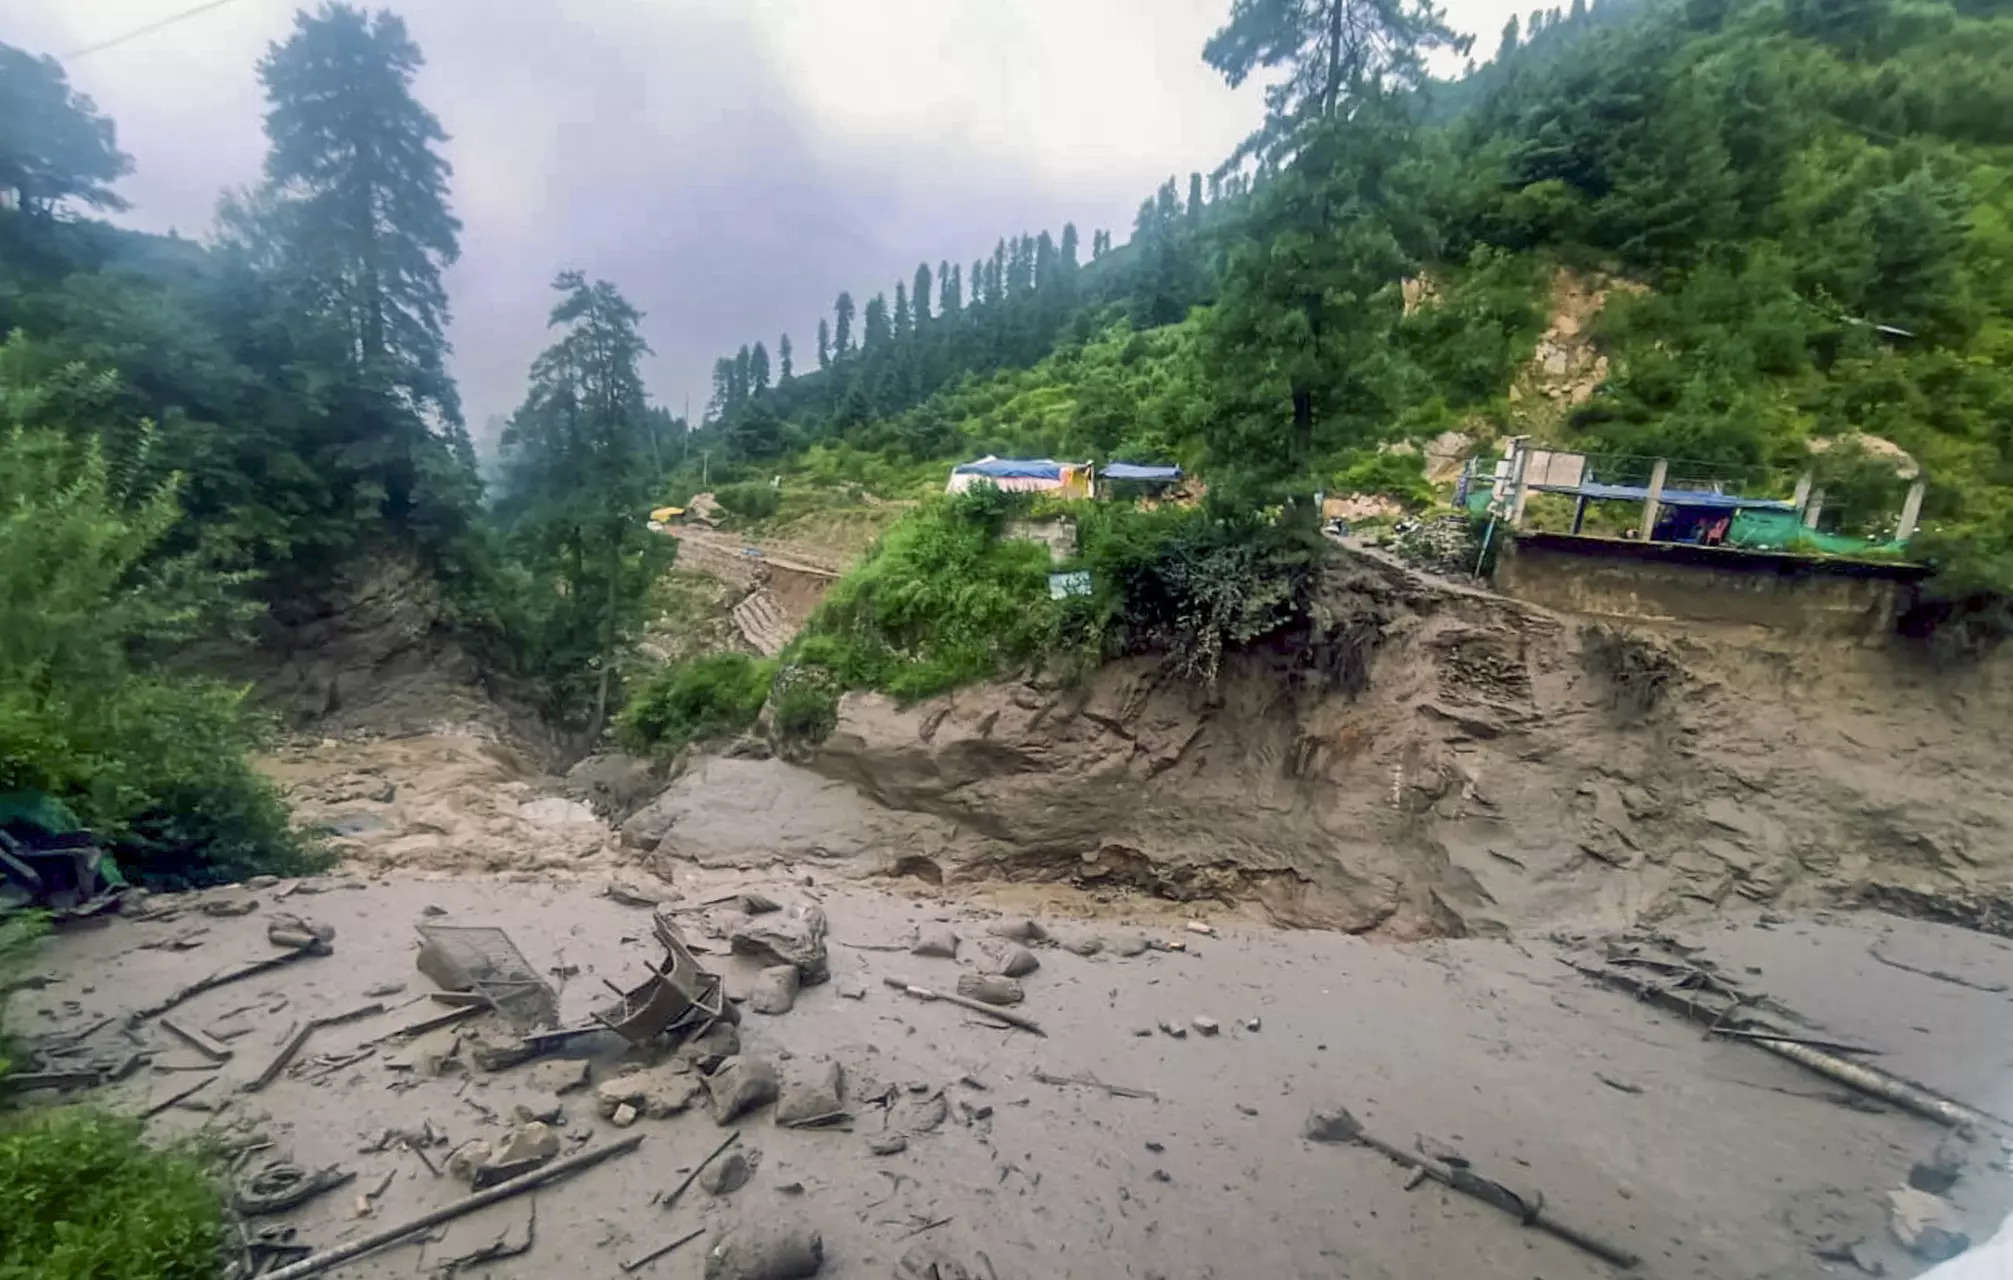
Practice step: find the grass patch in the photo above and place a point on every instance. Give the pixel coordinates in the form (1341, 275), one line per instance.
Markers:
(87, 1199)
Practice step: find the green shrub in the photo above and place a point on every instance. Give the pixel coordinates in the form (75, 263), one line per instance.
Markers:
(804, 705)
(1390, 473)
(156, 765)
(708, 697)
(19, 932)
(88, 1200)
(750, 501)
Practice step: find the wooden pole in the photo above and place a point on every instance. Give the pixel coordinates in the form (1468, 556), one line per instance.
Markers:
(1911, 511)
(468, 1204)
(976, 1006)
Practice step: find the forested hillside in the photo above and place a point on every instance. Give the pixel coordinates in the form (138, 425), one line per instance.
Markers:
(1782, 231)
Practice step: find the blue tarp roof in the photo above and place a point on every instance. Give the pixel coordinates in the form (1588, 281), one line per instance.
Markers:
(1017, 468)
(1670, 497)
(1132, 471)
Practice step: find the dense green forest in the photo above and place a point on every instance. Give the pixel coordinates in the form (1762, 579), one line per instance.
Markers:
(1794, 219)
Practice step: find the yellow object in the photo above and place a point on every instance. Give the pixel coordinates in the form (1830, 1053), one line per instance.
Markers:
(665, 515)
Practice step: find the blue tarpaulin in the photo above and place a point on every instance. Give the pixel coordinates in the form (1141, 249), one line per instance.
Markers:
(1669, 497)
(1011, 468)
(1132, 471)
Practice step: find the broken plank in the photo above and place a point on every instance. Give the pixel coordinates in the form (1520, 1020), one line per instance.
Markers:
(173, 1098)
(210, 1048)
(220, 979)
(296, 1037)
(439, 1020)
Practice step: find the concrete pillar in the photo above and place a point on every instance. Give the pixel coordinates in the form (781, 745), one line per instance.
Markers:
(1802, 494)
(1522, 489)
(1655, 496)
(1911, 511)
(1813, 509)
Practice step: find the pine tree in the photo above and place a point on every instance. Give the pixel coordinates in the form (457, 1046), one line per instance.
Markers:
(1044, 262)
(758, 370)
(54, 146)
(978, 283)
(1335, 52)
(901, 329)
(919, 297)
(1511, 36)
(842, 315)
(824, 344)
(784, 373)
(744, 375)
(1068, 249)
(876, 324)
(357, 207)
(950, 290)
(1194, 198)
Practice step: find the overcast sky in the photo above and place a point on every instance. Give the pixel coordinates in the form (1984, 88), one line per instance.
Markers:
(729, 164)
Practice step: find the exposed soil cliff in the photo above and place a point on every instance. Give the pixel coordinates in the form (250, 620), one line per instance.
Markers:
(1427, 758)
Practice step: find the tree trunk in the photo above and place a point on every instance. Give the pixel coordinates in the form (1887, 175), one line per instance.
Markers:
(1334, 57)
(1303, 422)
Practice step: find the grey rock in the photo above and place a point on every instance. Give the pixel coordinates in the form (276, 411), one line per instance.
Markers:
(849, 989)
(888, 1144)
(771, 1251)
(1925, 1225)
(625, 1115)
(655, 1092)
(741, 1085)
(1252, 1024)
(990, 988)
(1174, 1029)
(1941, 1170)
(921, 1114)
(1334, 1124)
(775, 990)
(383, 989)
(709, 1049)
(730, 1172)
(1127, 945)
(1012, 959)
(1207, 1026)
(261, 882)
(1018, 930)
(939, 941)
(561, 1075)
(795, 938)
(1086, 946)
(812, 1097)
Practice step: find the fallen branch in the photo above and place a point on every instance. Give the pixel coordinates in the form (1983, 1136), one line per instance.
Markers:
(468, 1204)
(1092, 1082)
(1022, 1021)
(679, 1190)
(646, 1259)
(197, 1040)
(1906, 1094)
(215, 980)
(173, 1098)
(1993, 988)
(1833, 1045)
(288, 1048)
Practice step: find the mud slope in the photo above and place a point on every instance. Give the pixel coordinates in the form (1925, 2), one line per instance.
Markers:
(1433, 759)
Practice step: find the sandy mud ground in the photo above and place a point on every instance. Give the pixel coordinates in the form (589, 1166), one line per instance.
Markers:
(1706, 1156)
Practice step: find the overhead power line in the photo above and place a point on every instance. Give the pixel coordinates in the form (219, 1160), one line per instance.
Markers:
(151, 27)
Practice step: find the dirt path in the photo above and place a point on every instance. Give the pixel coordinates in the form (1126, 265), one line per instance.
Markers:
(1708, 1157)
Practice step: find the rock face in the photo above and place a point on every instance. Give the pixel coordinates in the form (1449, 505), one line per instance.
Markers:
(795, 938)
(1432, 759)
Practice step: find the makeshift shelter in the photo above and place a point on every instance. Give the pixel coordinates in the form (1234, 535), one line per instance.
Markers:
(1153, 476)
(1024, 475)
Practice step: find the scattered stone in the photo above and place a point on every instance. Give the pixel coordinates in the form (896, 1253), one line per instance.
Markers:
(1252, 1024)
(850, 989)
(382, 990)
(655, 1092)
(919, 1086)
(1178, 1032)
(1941, 1170)
(1161, 1175)
(710, 1048)
(741, 1085)
(628, 894)
(1127, 945)
(888, 1144)
(495, 1049)
(561, 1075)
(730, 1172)
(813, 1098)
(1336, 1125)
(759, 904)
(1012, 959)
(1247, 1110)
(521, 1147)
(1156, 1147)
(775, 990)
(1925, 1225)
(1196, 926)
(625, 1115)
(990, 988)
(787, 937)
(1017, 931)
(229, 906)
(1207, 1026)
(773, 1251)
(552, 1115)
(939, 941)
(262, 882)
(1142, 1031)
(1084, 946)
(433, 909)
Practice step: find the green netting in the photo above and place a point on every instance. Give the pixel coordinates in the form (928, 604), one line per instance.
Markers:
(1784, 531)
